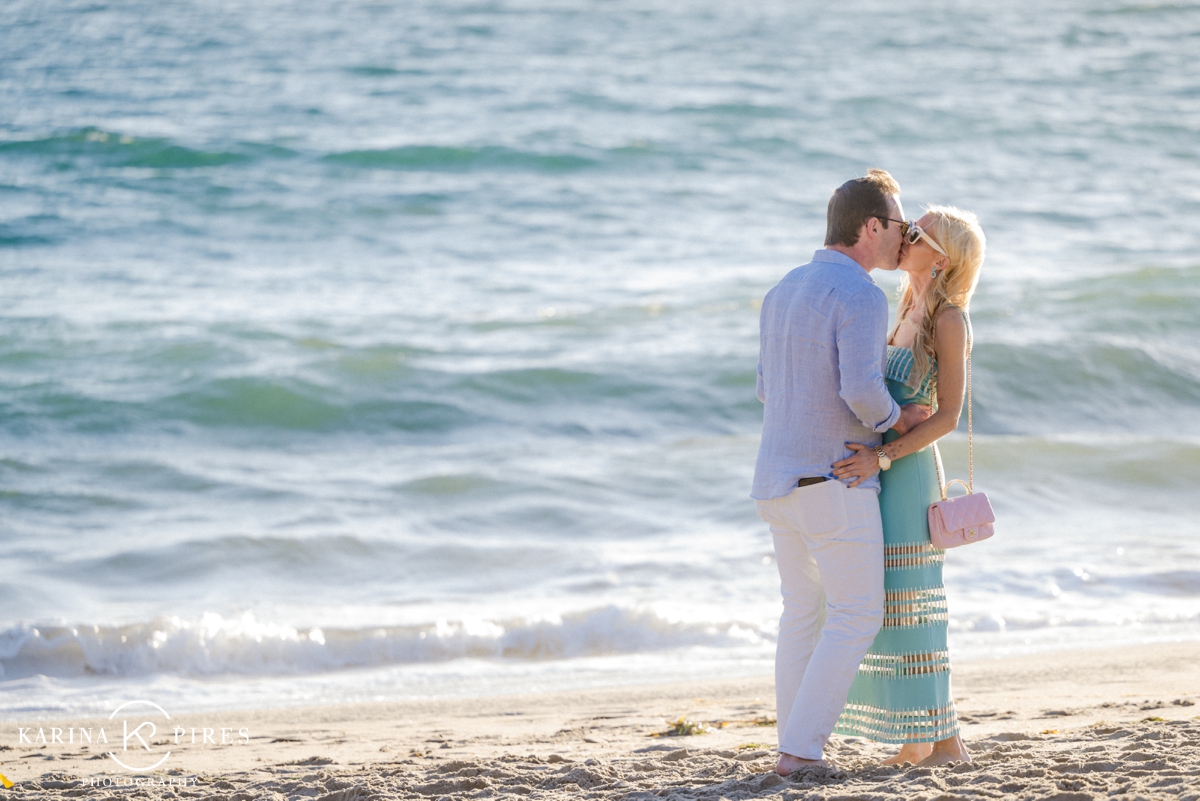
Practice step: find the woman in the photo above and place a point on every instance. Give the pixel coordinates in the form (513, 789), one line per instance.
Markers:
(902, 691)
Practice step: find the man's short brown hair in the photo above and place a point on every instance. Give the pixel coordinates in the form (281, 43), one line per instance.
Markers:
(855, 202)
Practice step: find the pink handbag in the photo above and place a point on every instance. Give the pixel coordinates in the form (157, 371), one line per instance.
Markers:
(962, 520)
(967, 518)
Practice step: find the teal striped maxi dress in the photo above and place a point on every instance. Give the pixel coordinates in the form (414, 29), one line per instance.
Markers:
(902, 691)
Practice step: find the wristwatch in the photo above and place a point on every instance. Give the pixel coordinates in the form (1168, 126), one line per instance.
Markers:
(884, 461)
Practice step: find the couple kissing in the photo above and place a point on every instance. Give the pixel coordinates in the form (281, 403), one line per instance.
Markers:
(847, 469)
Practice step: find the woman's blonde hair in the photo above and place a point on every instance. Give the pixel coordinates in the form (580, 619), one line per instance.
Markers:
(960, 235)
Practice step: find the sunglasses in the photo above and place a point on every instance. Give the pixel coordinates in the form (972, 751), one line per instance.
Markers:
(913, 233)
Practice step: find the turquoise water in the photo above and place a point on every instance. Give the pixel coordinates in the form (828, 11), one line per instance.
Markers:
(369, 351)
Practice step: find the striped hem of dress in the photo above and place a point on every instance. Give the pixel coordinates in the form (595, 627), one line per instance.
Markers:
(909, 555)
(901, 666)
(898, 726)
(903, 609)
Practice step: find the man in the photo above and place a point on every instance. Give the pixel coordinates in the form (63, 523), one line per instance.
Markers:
(820, 374)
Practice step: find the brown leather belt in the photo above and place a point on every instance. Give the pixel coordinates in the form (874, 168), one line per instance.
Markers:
(804, 482)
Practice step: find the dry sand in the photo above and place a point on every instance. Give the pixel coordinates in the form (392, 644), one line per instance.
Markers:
(1073, 725)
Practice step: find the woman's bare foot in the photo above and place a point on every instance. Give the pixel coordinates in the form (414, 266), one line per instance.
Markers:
(945, 752)
(788, 763)
(913, 753)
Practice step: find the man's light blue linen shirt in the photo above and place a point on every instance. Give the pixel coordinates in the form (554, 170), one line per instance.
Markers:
(822, 354)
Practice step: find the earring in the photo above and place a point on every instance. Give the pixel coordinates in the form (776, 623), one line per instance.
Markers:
(935, 272)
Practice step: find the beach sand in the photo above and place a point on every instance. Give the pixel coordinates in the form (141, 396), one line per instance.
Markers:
(1120, 723)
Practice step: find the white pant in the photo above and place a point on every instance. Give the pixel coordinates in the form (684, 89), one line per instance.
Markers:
(829, 547)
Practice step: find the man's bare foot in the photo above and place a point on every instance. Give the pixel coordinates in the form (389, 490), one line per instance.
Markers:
(945, 752)
(913, 753)
(788, 763)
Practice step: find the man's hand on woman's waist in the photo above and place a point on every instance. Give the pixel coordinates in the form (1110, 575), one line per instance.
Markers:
(911, 415)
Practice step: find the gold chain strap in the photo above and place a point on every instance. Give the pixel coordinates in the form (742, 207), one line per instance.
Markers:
(943, 485)
(970, 406)
(937, 464)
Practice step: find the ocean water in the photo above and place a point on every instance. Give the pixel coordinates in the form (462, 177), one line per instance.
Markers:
(362, 350)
